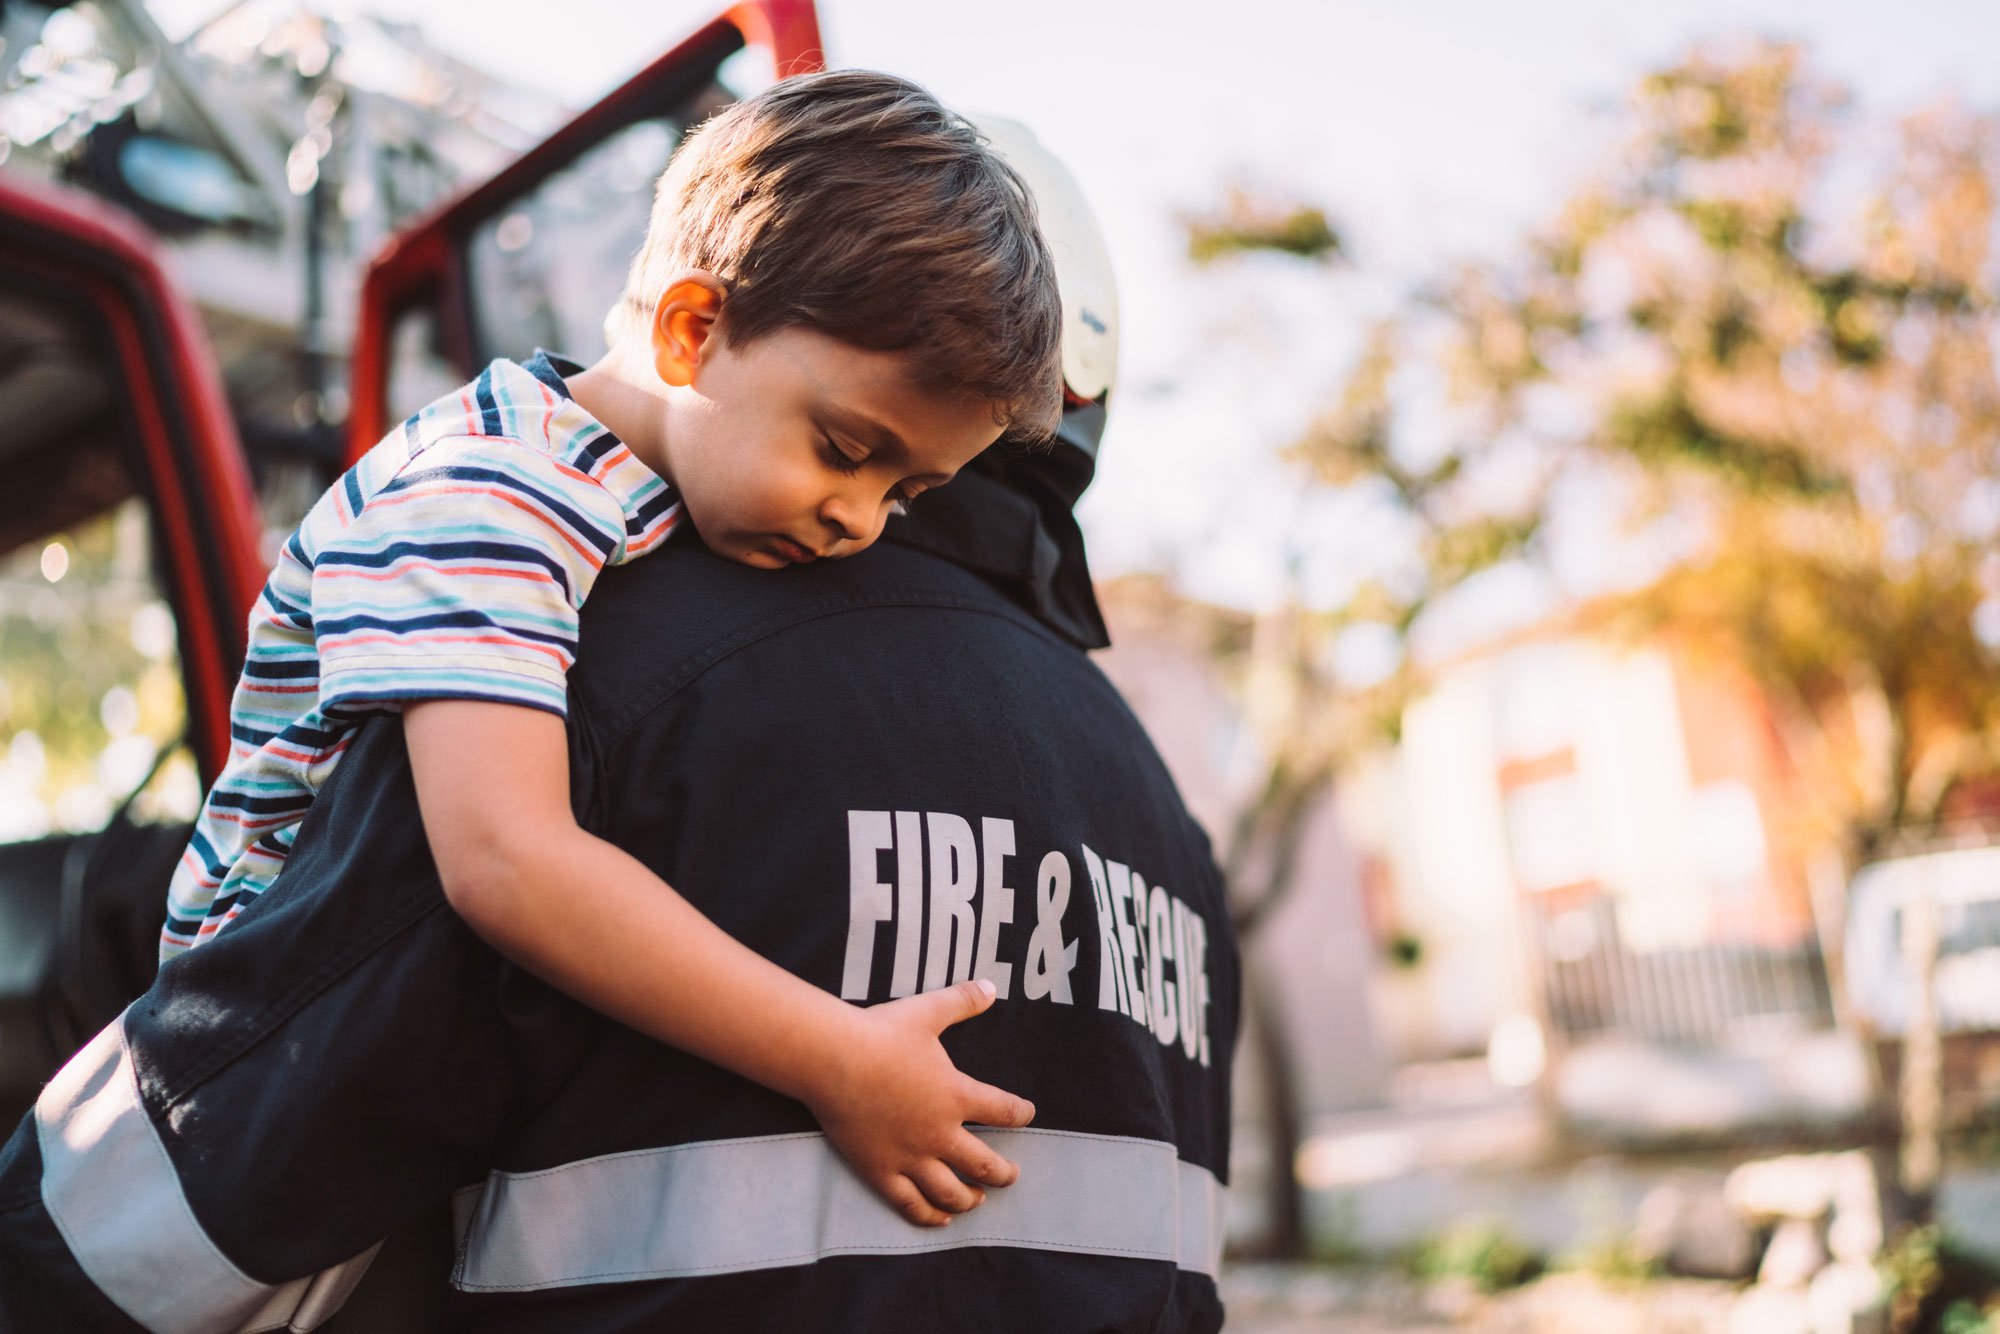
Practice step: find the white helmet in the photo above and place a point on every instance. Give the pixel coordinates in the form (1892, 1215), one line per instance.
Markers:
(1083, 263)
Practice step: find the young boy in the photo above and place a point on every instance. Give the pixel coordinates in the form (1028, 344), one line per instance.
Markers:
(841, 300)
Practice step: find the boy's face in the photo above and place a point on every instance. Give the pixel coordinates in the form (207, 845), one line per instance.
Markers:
(797, 446)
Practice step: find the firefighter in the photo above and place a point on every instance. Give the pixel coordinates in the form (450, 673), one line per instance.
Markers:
(894, 774)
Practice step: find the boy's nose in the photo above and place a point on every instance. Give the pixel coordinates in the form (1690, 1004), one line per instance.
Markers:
(849, 521)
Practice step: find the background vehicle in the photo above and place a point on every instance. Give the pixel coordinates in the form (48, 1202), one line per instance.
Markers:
(132, 542)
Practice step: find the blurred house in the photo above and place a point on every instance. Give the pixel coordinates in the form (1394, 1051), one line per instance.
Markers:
(1558, 800)
(1579, 853)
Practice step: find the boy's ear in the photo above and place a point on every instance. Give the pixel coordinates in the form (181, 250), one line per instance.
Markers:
(683, 319)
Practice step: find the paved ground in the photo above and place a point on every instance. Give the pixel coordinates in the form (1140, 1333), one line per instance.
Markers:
(1448, 1146)
(1267, 1299)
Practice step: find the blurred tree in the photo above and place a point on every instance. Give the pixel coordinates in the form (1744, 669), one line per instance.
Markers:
(1766, 328)
(1249, 221)
(1804, 366)
(89, 674)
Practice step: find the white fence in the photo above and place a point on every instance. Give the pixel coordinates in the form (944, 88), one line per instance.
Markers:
(1697, 996)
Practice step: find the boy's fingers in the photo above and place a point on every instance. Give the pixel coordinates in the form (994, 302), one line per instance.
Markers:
(992, 1106)
(955, 1004)
(971, 1157)
(904, 1197)
(942, 1187)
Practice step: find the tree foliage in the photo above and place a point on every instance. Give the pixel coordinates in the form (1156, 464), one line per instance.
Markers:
(1766, 324)
(1248, 223)
(1764, 332)
(66, 647)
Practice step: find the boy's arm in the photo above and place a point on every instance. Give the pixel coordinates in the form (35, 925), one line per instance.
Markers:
(493, 785)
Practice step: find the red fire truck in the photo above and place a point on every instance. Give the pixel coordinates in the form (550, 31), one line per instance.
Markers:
(132, 541)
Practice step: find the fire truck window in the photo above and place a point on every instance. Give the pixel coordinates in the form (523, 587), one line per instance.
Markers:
(90, 681)
(545, 271)
(419, 371)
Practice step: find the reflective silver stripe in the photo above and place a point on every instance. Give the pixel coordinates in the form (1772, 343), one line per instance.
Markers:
(723, 1206)
(114, 1195)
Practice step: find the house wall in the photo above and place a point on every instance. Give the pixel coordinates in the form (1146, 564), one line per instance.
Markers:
(1543, 777)
(1315, 948)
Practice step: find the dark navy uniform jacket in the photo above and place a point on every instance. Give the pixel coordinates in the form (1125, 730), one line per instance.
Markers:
(887, 774)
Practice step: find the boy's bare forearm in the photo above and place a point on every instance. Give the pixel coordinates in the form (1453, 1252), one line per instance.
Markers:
(493, 785)
(594, 922)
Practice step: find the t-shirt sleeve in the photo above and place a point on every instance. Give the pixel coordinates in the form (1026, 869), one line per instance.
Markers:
(461, 579)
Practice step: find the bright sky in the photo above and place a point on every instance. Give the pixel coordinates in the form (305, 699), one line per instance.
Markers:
(1428, 129)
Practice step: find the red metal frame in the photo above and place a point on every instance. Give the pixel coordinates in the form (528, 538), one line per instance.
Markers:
(425, 260)
(109, 258)
(202, 498)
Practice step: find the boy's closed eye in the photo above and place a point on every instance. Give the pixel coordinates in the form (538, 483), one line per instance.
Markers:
(847, 461)
(838, 457)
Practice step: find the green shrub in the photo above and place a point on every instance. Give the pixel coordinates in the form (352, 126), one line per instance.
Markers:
(1484, 1252)
(1613, 1260)
(1962, 1317)
(1936, 1286)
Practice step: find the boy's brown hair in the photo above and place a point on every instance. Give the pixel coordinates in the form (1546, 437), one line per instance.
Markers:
(854, 204)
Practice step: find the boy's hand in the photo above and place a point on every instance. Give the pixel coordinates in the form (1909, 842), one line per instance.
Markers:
(894, 1105)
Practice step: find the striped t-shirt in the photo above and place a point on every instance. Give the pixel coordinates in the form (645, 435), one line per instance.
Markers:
(449, 563)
